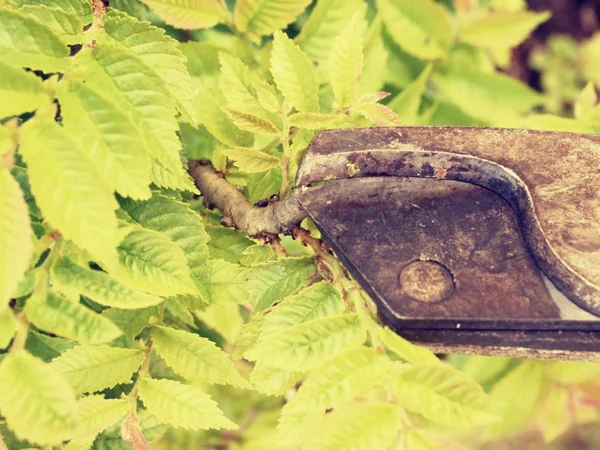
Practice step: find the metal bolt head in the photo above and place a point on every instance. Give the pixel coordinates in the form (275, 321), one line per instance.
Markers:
(426, 281)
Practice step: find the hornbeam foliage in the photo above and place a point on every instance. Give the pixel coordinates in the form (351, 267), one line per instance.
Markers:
(131, 316)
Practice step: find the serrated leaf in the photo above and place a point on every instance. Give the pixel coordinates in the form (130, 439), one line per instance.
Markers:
(90, 368)
(490, 97)
(34, 46)
(375, 66)
(263, 17)
(227, 243)
(152, 262)
(273, 280)
(443, 395)
(313, 121)
(130, 321)
(8, 327)
(502, 29)
(67, 24)
(346, 62)
(404, 349)
(267, 98)
(195, 358)
(263, 185)
(229, 282)
(406, 104)
(423, 29)
(310, 344)
(16, 245)
(335, 383)
(184, 227)
(257, 254)
(182, 406)
(224, 318)
(37, 403)
(55, 314)
(251, 123)
(189, 14)
(314, 302)
(81, 9)
(68, 190)
(379, 114)
(20, 91)
(22, 178)
(150, 427)
(247, 336)
(100, 287)
(250, 160)
(293, 74)
(96, 414)
(272, 381)
(357, 426)
(45, 347)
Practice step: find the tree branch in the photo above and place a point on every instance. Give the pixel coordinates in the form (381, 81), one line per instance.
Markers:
(275, 218)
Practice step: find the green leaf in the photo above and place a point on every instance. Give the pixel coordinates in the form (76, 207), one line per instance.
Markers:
(484, 369)
(37, 403)
(335, 383)
(570, 372)
(404, 349)
(586, 101)
(71, 195)
(276, 279)
(150, 261)
(263, 17)
(66, 23)
(327, 20)
(406, 104)
(190, 14)
(357, 426)
(81, 9)
(554, 123)
(250, 160)
(247, 336)
(224, 318)
(555, 414)
(195, 358)
(229, 282)
(443, 395)
(227, 243)
(257, 254)
(314, 302)
(16, 245)
(422, 439)
(313, 121)
(45, 347)
(27, 42)
(100, 287)
(375, 66)
(263, 185)
(423, 29)
(55, 314)
(184, 227)
(267, 98)
(130, 321)
(346, 62)
(502, 29)
(90, 368)
(8, 327)
(272, 381)
(294, 75)
(20, 91)
(182, 406)
(251, 123)
(379, 114)
(96, 414)
(309, 345)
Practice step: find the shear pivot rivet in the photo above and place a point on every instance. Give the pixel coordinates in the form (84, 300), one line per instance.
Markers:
(426, 281)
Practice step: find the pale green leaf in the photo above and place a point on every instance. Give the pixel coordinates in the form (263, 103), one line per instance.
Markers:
(100, 287)
(406, 104)
(190, 14)
(357, 426)
(80, 443)
(346, 62)
(37, 403)
(379, 114)
(263, 185)
(267, 98)
(182, 406)
(313, 121)
(55, 314)
(130, 321)
(247, 336)
(375, 66)
(257, 254)
(310, 344)
(272, 381)
(484, 369)
(109, 135)
(8, 327)
(571, 372)
(90, 368)
(184, 227)
(251, 123)
(68, 189)
(490, 97)
(404, 349)
(229, 282)
(273, 280)
(422, 439)
(195, 358)
(555, 414)
(224, 318)
(327, 20)
(502, 29)
(314, 302)
(151, 428)
(227, 243)
(333, 384)
(265, 16)
(16, 245)
(443, 395)
(551, 122)
(27, 42)
(152, 262)
(20, 91)
(79, 8)
(250, 160)
(421, 28)
(586, 101)
(294, 75)
(46, 347)
(67, 24)
(96, 414)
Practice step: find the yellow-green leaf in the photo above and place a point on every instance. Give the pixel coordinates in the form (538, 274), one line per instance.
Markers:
(404, 349)
(8, 327)
(250, 160)
(96, 414)
(313, 121)
(272, 381)
(190, 14)
(250, 122)
(379, 114)
(20, 91)
(262, 17)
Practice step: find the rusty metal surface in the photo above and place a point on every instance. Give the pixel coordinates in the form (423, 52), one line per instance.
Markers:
(551, 179)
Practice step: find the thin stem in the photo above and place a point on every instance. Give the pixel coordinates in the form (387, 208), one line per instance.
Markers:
(21, 335)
